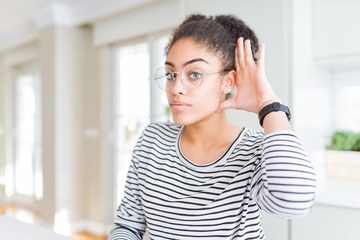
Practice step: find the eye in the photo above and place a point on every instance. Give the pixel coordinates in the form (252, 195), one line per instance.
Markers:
(195, 75)
(169, 76)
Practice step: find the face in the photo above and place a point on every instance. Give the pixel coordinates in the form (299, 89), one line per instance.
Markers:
(191, 105)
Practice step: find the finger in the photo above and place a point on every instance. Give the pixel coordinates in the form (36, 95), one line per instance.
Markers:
(237, 64)
(249, 59)
(261, 56)
(226, 104)
(241, 52)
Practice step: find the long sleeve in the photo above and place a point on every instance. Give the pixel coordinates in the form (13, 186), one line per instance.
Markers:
(284, 180)
(130, 219)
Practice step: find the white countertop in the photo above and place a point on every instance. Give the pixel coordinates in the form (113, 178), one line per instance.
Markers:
(12, 229)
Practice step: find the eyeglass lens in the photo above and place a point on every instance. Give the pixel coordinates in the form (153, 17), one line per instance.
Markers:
(191, 76)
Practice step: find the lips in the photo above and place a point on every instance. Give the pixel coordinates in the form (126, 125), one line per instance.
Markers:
(179, 105)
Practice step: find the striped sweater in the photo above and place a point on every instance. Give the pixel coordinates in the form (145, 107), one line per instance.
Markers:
(177, 199)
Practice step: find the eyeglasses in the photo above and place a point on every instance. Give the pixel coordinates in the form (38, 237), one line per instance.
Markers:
(191, 76)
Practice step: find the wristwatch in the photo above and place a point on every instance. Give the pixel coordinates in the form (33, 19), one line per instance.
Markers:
(273, 107)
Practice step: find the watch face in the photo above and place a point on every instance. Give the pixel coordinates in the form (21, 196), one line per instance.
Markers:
(276, 106)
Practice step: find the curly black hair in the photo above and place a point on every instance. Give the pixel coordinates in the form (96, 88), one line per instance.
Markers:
(219, 34)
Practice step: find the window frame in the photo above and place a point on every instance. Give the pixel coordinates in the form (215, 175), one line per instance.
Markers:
(154, 92)
(9, 189)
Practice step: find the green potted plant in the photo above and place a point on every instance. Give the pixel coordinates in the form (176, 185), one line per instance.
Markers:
(343, 155)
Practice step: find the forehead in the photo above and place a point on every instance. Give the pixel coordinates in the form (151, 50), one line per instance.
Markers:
(186, 49)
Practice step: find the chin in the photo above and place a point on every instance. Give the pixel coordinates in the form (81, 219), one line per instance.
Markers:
(188, 119)
(183, 119)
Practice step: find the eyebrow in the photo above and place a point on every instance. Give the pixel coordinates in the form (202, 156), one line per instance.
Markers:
(188, 62)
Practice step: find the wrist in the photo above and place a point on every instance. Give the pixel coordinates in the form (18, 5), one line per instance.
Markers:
(273, 107)
(265, 103)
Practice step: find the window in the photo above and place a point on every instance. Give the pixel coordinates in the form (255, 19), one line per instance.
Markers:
(25, 175)
(137, 100)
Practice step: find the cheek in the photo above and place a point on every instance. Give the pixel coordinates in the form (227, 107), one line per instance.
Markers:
(209, 99)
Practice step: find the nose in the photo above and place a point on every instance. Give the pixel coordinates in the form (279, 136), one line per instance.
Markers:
(178, 87)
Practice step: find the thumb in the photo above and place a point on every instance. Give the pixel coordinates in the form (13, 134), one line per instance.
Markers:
(226, 104)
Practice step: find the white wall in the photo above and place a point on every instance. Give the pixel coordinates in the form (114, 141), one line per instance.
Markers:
(334, 23)
(64, 68)
(46, 63)
(2, 126)
(69, 72)
(345, 101)
(311, 86)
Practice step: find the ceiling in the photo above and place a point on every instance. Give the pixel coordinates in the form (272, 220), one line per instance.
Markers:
(14, 13)
(20, 20)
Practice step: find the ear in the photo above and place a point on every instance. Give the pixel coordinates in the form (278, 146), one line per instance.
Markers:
(229, 81)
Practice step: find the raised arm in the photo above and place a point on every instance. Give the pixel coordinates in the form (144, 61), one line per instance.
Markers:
(253, 88)
(284, 180)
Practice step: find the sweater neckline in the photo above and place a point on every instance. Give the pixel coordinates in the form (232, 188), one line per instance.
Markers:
(218, 162)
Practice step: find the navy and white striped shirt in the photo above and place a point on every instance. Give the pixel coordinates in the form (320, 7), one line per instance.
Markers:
(177, 199)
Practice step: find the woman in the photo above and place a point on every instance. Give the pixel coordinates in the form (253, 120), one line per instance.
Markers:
(202, 177)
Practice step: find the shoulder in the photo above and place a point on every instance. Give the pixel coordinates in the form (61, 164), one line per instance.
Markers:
(157, 135)
(253, 135)
(163, 127)
(167, 130)
(259, 136)
(249, 141)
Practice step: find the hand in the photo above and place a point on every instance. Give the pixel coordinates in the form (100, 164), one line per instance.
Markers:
(253, 89)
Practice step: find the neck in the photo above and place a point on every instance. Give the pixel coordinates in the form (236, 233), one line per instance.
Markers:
(211, 131)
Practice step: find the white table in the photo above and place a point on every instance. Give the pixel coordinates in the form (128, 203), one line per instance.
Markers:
(12, 229)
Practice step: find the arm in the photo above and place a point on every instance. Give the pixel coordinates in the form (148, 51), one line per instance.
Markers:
(130, 219)
(121, 233)
(284, 181)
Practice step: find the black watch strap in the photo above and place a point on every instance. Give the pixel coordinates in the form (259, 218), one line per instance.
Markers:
(273, 107)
